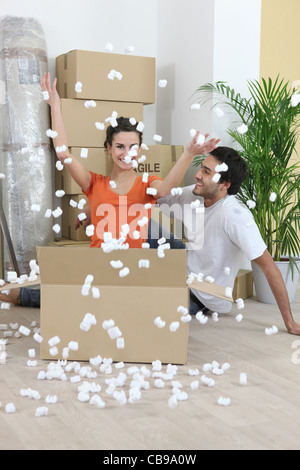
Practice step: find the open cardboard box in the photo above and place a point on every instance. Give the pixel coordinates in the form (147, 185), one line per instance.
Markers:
(133, 302)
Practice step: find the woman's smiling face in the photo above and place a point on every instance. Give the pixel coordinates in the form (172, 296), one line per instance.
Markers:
(122, 143)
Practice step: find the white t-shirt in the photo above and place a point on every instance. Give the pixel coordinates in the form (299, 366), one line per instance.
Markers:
(220, 236)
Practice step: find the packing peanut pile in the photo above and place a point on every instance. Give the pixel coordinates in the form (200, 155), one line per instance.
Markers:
(104, 382)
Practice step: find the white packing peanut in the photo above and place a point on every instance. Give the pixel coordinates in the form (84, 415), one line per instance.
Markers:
(242, 129)
(56, 228)
(90, 230)
(24, 330)
(120, 343)
(239, 318)
(140, 126)
(78, 87)
(51, 133)
(218, 112)
(108, 324)
(38, 338)
(228, 292)
(144, 263)
(159, 322)
(124, 272)
(224, 401)
(53, 351)
(243, 378)
(221, 167)
(84, 152)
(200, 139)
(100, 126)
(73, 345)
(114, 332)
(162, 83)
(174, 326)
(216, 177)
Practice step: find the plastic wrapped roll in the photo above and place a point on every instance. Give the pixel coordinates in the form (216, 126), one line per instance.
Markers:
(26, 157)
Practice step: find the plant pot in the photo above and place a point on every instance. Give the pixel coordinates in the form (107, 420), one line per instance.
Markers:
(262, 288)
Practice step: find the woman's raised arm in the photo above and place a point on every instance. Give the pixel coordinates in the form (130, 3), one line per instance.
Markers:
(78, 172)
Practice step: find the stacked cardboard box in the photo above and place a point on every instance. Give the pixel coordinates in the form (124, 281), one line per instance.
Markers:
(126, 96)
(243, 287)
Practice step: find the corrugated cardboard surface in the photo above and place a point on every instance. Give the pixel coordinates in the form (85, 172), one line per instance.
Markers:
(133, 302)
(243, 286)
(92, 69)
(69, 218)
(159, 159)
(211, 288)
(80, 121)
(97, 161)
(66, 243)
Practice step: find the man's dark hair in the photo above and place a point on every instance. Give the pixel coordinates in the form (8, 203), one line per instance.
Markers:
(237, 168)
(124, 125)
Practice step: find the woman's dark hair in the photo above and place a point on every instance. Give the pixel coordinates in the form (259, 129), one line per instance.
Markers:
(237, 168)
(124, 125)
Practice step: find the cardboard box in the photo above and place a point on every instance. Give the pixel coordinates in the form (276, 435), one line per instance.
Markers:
(243, 286)
(159, 159)
(79, 121)
(97, 161)
(69, 217)
(133, 302)
(66, 243)
(92, 69)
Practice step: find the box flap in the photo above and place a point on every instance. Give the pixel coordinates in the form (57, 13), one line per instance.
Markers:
(70, 266)
(16, 285)
(211, 288)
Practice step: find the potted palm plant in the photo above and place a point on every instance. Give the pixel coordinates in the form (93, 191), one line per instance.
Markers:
(265, 130)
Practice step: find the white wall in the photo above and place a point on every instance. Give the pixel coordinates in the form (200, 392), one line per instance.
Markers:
(90, 24)
(202, 41)
(185, 58)
(237, 25)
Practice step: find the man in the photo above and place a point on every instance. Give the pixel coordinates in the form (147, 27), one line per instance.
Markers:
(229, 232)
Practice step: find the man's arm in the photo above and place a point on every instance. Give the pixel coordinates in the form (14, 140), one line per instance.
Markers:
(276, 283)
(177, 172)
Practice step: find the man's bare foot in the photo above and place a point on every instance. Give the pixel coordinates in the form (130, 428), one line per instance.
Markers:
(13, 297)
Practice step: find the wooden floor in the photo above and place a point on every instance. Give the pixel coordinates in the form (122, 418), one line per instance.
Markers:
(265, 414)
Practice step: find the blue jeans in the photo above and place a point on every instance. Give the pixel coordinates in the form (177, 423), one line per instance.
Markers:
(31, 297)
(196, 305)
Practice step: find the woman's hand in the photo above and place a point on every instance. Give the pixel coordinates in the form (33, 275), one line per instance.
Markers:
(54, 99)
